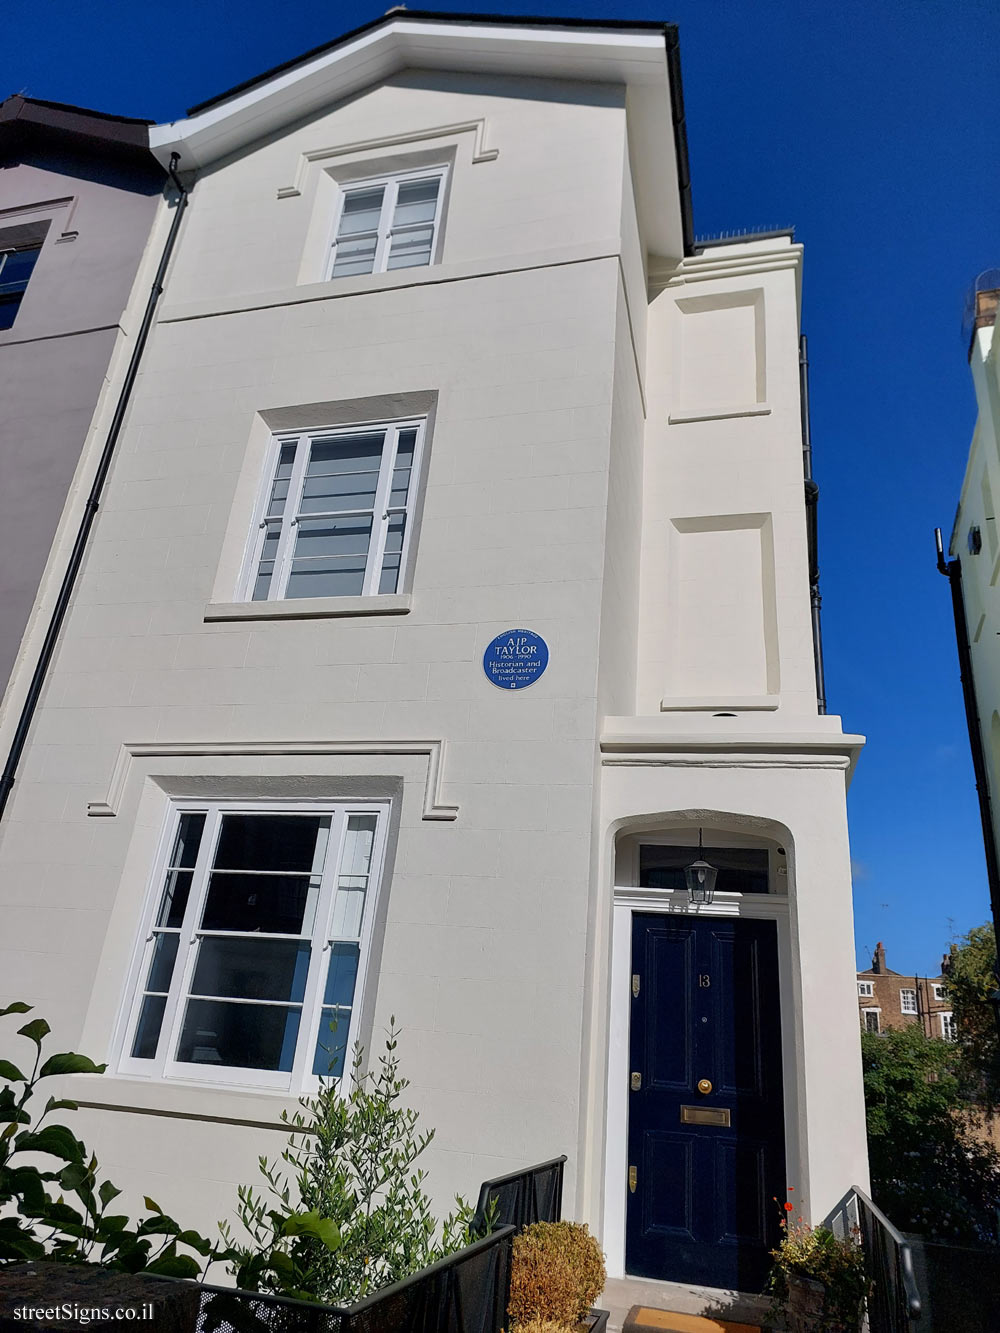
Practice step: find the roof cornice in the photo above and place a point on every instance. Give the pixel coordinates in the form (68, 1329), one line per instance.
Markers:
(640, 56)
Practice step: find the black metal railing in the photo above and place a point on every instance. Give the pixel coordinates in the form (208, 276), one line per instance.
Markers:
(893, 1301)
(523, 1197)
(466, 1292)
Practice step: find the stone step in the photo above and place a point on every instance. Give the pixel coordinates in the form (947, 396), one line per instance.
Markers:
(644, 1319)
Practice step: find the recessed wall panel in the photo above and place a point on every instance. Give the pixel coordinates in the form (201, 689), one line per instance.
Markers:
(722, 619)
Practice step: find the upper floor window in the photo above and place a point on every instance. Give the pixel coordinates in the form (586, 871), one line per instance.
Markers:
(871, 1020)
(949, 1030)
(940, 992)
(16, 265)
(907, 1001)
(255, 944)
(865, 988)
(388, 224)
(336, 516)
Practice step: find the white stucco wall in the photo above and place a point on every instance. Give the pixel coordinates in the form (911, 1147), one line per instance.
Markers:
(581, 447)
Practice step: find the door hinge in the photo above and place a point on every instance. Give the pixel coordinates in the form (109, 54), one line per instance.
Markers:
(635, 985)
(633, 1179)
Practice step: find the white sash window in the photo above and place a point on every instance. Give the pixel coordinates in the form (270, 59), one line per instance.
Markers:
(388, 224)
(335, 519)
(254, 950)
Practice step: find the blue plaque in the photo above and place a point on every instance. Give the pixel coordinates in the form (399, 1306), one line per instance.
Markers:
(515, 659)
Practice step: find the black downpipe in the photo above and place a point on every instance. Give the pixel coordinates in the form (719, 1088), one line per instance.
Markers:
(92, 505)
(952, 570)
(812, 502)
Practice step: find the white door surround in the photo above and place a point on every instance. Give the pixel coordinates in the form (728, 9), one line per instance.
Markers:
(628, 899)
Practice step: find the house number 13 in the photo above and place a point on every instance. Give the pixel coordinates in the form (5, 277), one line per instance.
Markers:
(704, 980)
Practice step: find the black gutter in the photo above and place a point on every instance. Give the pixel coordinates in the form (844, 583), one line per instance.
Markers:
(680, 135)
(92, 505)
(812, 536)
(952, 570)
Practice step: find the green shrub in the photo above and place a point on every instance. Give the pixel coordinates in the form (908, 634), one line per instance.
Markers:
(351, 1165)
(36, 1219)
(836, 1261)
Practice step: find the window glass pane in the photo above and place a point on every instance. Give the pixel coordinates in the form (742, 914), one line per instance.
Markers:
(337, 569)
(389, 580)
(319, 538)
(416, 201)
(16, 269)
(361, 211)
(410, 249)
(342, 474)
(267, 904)
(251, 968)
(147, 1032)
(331, 1043)
(189, 832)
(161, 968)
(175, 898)
(269, 842)
(243, 1036)
(402, 467)
(358, 842)
(342, 975)
(262, 583)
(348, 908)
(9, 306)
(355, 256)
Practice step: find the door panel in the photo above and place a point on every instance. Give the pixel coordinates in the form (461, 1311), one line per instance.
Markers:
(707, 1013)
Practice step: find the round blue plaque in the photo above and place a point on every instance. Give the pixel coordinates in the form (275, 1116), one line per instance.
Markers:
(515, 659)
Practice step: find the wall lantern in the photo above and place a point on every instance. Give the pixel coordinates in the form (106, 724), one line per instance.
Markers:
(700, 878)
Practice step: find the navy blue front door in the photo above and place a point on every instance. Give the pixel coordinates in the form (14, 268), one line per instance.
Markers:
(706, 1146)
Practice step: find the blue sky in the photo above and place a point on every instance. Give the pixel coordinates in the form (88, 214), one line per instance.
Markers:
(871, 125)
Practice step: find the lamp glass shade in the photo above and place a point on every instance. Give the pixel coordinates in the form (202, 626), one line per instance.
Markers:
(700, 878)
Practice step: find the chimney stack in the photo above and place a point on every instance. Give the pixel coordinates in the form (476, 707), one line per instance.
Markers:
(878, 959)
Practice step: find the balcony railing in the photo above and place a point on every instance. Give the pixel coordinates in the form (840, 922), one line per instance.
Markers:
(466, 1292)
(893, 1302)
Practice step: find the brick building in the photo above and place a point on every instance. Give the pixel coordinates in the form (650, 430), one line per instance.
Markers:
(887, 999)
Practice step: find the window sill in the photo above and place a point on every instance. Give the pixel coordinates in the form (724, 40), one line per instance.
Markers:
(259, 1107)
(312, 608)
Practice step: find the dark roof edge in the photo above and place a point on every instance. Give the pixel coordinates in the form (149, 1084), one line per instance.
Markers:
(89, 112)
(28, 120)
(434, 16)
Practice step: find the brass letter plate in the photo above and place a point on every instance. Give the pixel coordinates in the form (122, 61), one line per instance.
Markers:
(705, 1115)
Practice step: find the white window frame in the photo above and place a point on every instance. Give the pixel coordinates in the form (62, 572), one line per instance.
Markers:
(940, 991)
(381, 510)
(301, 1078)
(391, 184)
(878, 1018)
(904, 1008)
(948, 1031)
(865, 989)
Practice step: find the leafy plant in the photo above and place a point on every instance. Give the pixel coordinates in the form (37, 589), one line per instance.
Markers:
(37, 1221)
(972, 977)
(350, 1163)
(928, 1172)
(557, 1274)
(838, 1262)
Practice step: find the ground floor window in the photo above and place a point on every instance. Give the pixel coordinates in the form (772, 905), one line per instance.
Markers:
(870, 1017)
(255, 944)
(948, 1028)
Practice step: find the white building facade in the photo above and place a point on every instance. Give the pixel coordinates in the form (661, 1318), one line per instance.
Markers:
(437, 367)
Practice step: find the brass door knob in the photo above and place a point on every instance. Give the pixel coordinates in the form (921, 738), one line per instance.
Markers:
(704, 1086)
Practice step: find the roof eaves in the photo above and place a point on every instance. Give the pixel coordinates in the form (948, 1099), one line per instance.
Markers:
(433, 16)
